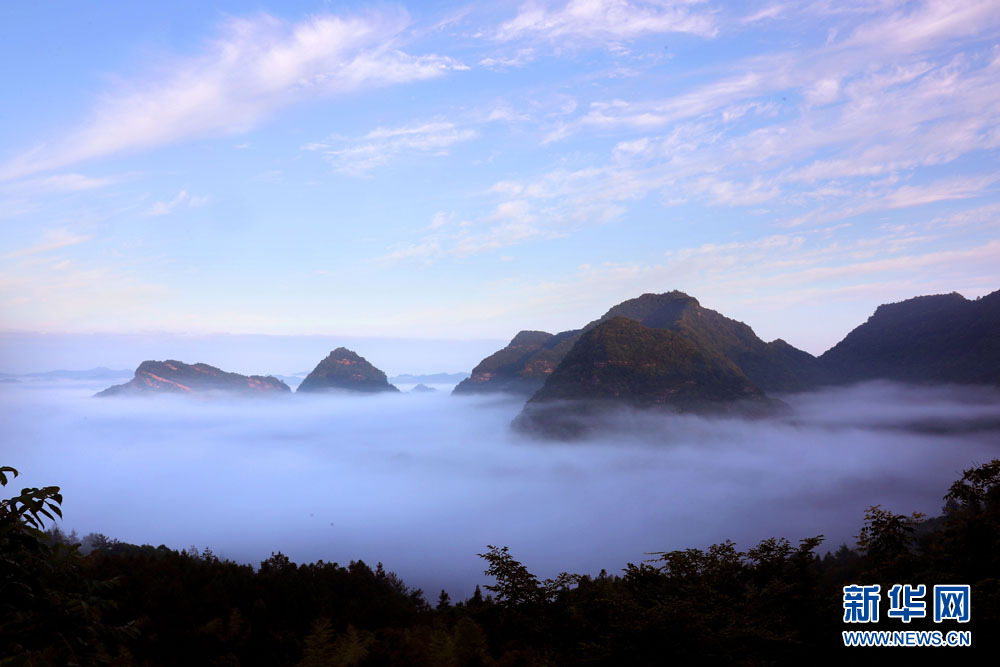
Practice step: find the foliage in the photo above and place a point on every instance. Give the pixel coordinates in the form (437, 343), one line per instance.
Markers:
(978, 487)
(50, 611)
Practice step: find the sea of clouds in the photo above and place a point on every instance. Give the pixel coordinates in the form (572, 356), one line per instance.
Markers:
(424, 482)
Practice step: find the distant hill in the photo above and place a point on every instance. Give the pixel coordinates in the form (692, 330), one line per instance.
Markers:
(531, 356)
(99, 373)
(345, 370)
(176, 377)
(622, 362)
(926, 339)
(423, 389)
(431, 378)
(522, 366)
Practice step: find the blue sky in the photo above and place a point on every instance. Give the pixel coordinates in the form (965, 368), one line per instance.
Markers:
(463, 170)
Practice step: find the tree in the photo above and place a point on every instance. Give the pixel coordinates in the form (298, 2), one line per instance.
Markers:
(885, 535)
(970, 549)
(515, 585)
(444, 601)
(49, 608)
(978, 487)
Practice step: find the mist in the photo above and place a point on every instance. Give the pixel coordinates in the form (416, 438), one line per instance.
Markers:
(424, 482)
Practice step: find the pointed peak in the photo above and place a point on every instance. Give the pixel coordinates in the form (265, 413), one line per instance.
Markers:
(529, 337)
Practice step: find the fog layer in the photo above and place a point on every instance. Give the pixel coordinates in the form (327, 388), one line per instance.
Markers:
(423, 482)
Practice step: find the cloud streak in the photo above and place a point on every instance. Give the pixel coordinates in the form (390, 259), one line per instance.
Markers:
(252, 68)
(581, 22)
(53, 239)
(183, 199)
(360, 156)
(848, 138)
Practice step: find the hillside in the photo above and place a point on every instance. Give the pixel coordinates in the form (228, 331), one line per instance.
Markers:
(926, 339)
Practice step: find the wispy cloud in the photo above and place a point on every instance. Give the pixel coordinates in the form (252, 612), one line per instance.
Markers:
(53, 239)
(559, 203)
(252, 68)
(769, 11)
(86, 297)
(910, 29)
(182, 199)
(59, 183)
(602, 21)
(361, 155)
(519, 59)
(780, 273)
(844, 139)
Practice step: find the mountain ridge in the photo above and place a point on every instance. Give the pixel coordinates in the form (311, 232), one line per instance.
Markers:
(177, 377)
(933, 338)
(531, 356)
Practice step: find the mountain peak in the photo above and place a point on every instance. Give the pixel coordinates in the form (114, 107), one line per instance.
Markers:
(345, 369)
(530, 338)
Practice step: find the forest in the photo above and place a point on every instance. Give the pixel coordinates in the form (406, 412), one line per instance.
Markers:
(99, 601)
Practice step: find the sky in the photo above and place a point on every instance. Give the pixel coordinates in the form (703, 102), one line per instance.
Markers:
(462, 171)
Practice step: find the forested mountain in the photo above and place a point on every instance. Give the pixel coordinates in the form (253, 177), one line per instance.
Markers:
(622, 362)
(175, 377)
(522, 366)
(774, 366)
(345, 370)
(927, 339)
(531, 356)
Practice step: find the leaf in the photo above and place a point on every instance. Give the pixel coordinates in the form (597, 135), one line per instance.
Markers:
(3, 474)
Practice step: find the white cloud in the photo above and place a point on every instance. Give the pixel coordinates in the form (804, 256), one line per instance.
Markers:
(788, 275)
(823, 92)
(182, 199)
(357, 157)
(732, 193)
(766, 12)
(60, 183)
(851, 139)
(558, 203)
(519, 59)
(949, 189)
(933, 22)
(582, 22)
(988, 215)
(64, 296)
(53, 239)
(254, 67)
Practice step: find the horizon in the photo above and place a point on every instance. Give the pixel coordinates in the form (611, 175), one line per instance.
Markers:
(400, 352)
(465, 172)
